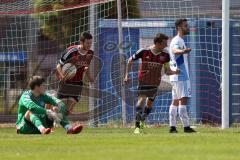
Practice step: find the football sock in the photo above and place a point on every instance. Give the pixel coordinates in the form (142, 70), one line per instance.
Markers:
(138, 116)
(183, 115)
(36, 122)
(173, 115)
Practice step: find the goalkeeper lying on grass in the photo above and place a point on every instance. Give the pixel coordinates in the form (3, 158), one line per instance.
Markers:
(33, 118)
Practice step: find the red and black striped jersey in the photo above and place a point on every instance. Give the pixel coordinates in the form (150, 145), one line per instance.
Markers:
(151, 66)
(81, 61)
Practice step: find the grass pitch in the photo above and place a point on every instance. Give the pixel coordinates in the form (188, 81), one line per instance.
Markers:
(122, 144)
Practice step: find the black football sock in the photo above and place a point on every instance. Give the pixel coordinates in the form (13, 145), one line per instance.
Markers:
(138, 116)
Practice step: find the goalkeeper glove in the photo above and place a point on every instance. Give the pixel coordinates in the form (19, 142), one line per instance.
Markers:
(53, 116)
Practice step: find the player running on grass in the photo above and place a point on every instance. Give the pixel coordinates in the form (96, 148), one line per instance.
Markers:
(81, 56)
(181, 89)
(149, 77)
(33, 118)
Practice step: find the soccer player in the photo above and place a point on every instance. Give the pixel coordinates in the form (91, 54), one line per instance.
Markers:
(152, 61)
(33, 118)
(79, 55)
(181, 89)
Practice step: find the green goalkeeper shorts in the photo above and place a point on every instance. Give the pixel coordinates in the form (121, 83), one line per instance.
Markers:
(26, 127)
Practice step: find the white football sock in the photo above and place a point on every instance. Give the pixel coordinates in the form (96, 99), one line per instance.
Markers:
(184, 115)
(173, 115)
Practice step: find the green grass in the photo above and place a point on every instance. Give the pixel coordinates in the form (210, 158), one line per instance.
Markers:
(116, 144)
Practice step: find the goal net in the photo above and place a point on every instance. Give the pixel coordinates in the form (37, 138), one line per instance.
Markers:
(141, 25)
(34, 34)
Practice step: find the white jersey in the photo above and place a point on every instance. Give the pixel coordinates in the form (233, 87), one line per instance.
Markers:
(178, 61)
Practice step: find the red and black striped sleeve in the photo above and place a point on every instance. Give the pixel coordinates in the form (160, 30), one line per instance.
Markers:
(68, 55)
(138, 54)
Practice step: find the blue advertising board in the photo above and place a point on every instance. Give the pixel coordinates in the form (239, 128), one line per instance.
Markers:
(13, 57)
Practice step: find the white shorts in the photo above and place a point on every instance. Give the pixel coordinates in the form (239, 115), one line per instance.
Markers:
(181, 89)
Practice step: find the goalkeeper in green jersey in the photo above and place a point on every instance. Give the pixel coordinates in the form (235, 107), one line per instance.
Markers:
(33, 118)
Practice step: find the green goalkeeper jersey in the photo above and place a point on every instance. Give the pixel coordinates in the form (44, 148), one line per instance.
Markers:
(35, 104)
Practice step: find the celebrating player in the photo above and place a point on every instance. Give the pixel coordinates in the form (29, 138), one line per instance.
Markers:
(80, 56)
(149, 78)
(181, 90)
(33, 118)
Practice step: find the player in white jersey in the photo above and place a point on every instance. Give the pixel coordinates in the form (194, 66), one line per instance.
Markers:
(181, 90)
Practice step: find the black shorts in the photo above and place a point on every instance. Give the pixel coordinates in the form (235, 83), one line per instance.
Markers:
(70, 90)
(149, 91)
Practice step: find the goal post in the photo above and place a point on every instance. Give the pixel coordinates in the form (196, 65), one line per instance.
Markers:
(122, 71)
(225, 64)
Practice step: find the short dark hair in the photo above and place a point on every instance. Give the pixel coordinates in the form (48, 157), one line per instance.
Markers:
(179, 22)
(160, 37)
(84, 36)
(35, 81)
